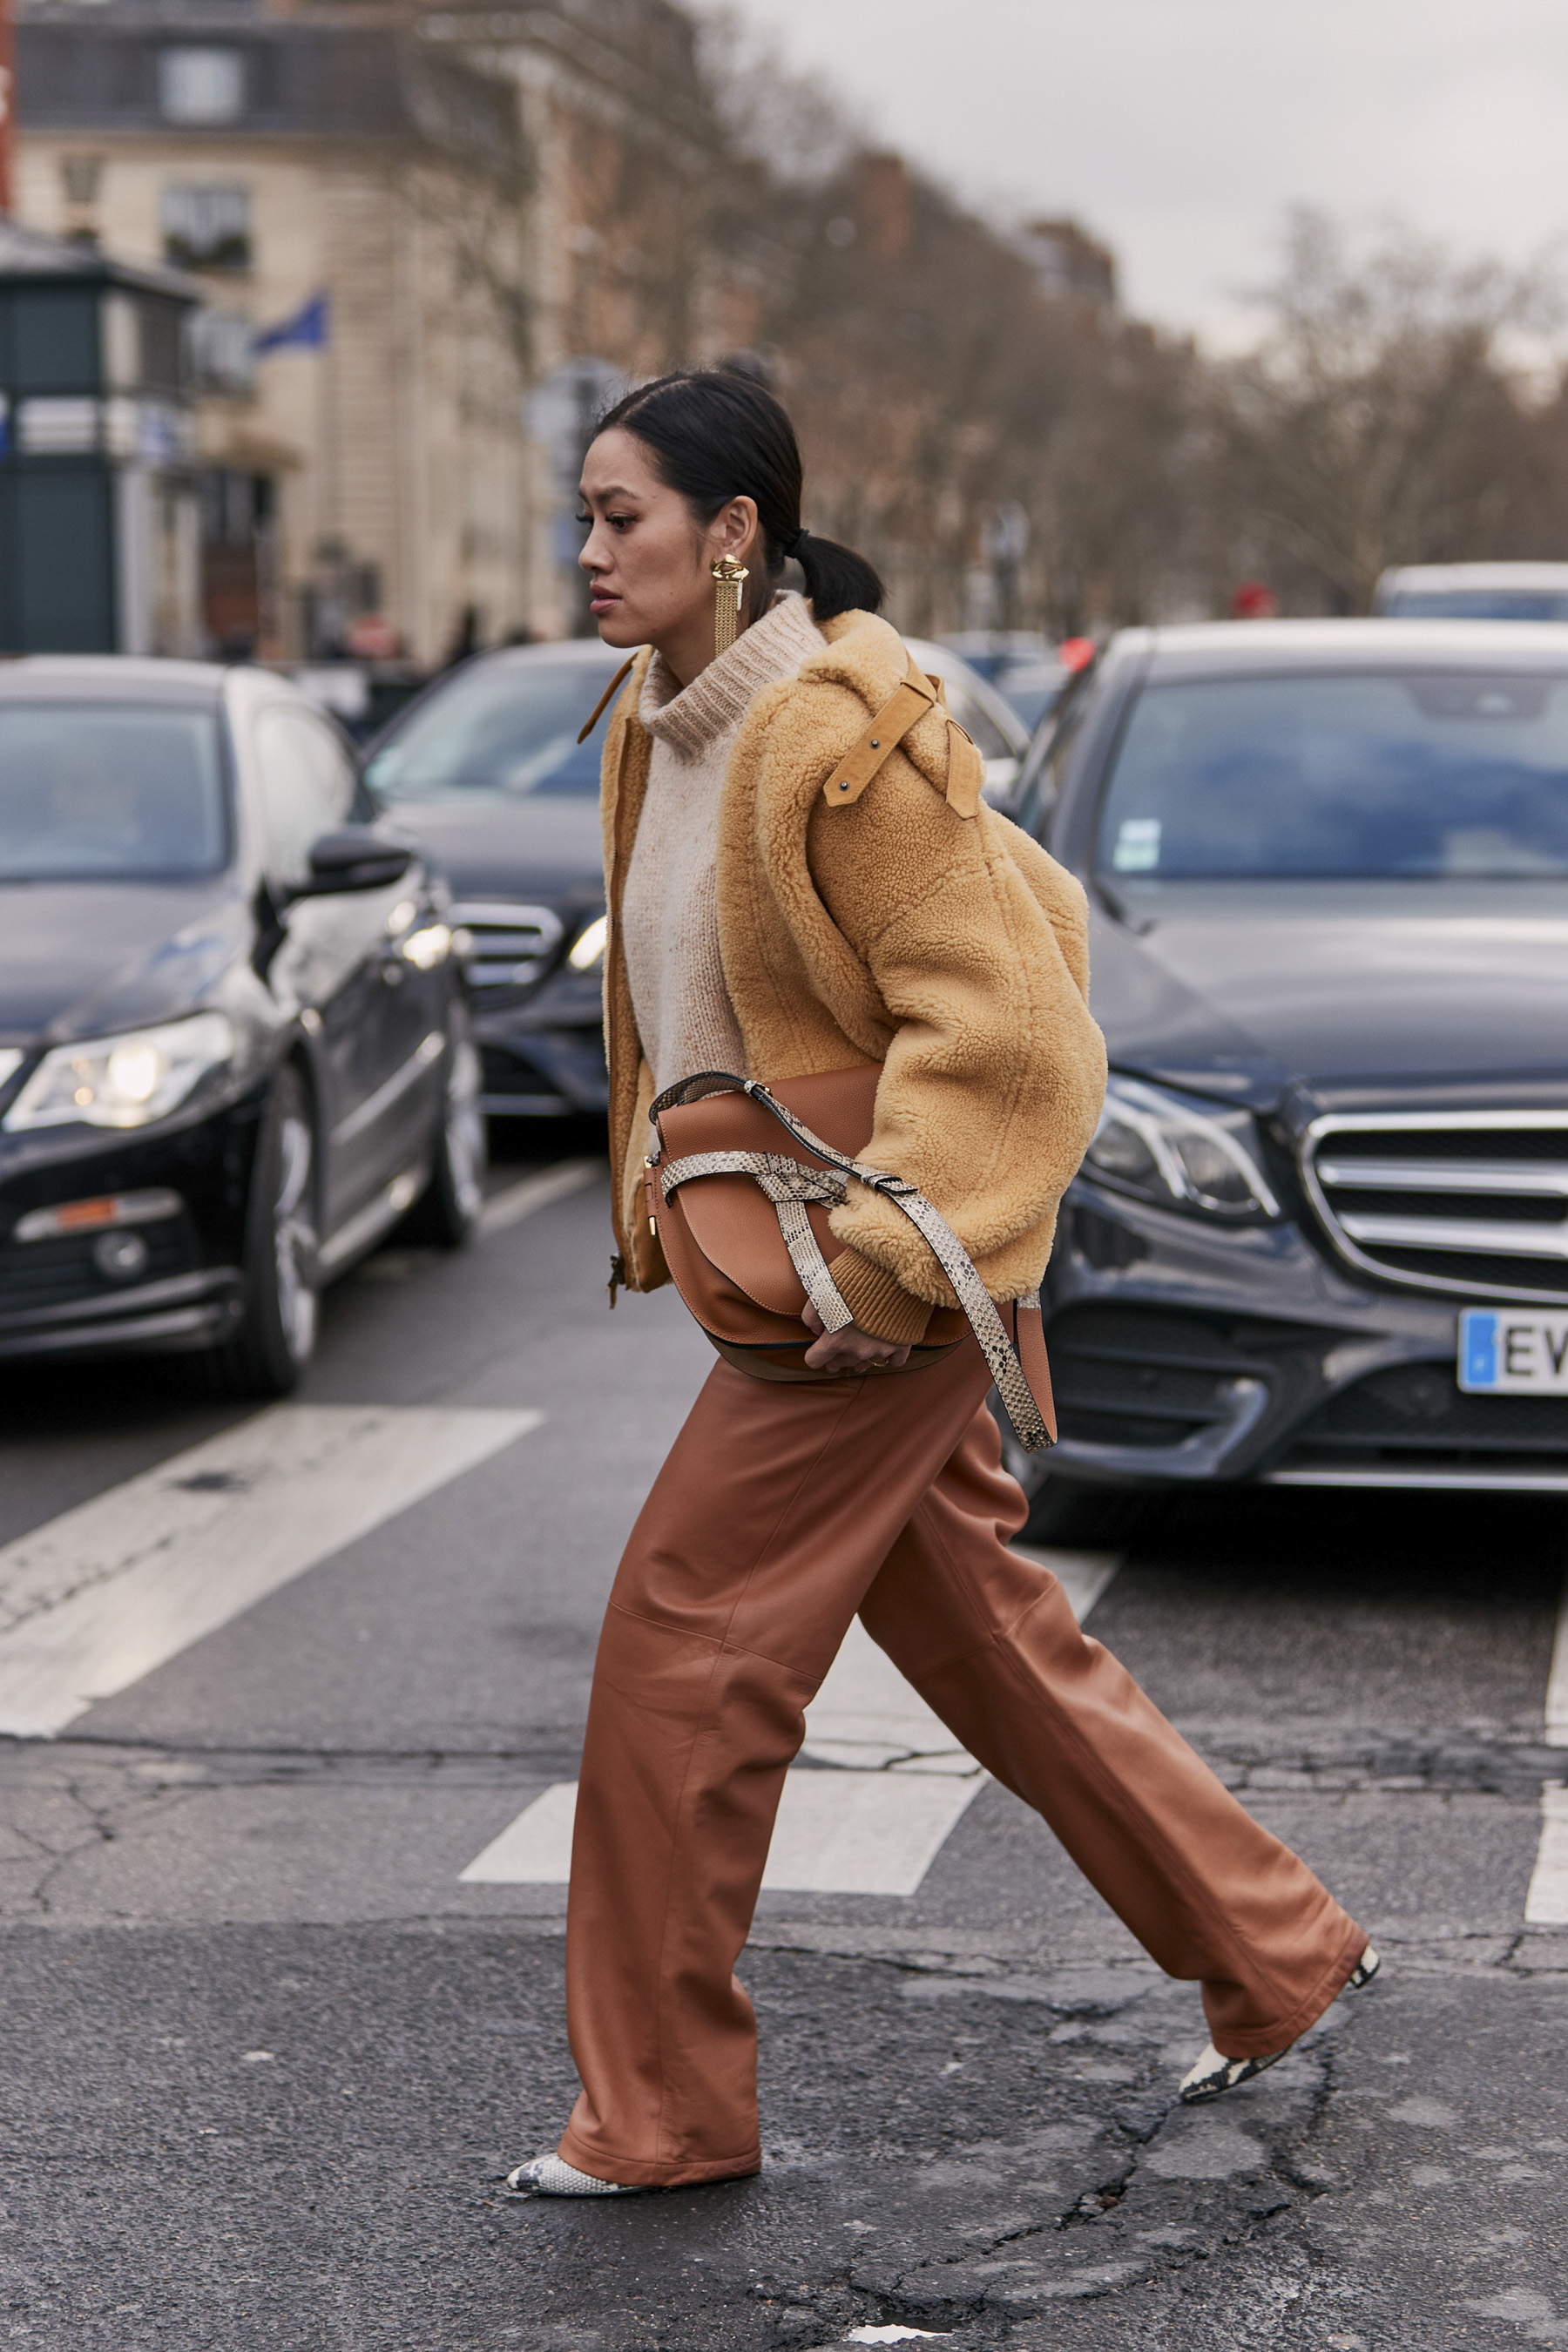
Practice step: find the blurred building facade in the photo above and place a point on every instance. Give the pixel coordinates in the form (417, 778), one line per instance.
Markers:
(622, 273)
(436, 237)
(431, 242)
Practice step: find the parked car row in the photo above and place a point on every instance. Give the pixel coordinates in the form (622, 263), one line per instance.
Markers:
(486, 771)
(1322, 1237)
(246, 1028)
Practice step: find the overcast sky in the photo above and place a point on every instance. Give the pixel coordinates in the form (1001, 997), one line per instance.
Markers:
(1181, 129)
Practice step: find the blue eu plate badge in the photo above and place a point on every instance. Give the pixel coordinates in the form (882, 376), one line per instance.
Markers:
(1509, 1354)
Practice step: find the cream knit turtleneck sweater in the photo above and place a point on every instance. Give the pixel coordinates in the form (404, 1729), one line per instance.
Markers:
(670, 911)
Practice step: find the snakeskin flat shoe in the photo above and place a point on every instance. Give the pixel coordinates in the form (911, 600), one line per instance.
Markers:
(548, 2176)
(1214, 2074)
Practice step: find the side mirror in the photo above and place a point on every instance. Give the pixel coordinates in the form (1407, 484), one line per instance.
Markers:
(355, 859)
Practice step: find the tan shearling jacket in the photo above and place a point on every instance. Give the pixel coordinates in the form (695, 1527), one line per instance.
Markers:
(909, 925)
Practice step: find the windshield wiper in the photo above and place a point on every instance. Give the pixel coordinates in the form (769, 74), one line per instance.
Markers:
(1118, 906)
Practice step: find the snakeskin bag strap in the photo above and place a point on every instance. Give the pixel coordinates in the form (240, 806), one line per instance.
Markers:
(790, 1184)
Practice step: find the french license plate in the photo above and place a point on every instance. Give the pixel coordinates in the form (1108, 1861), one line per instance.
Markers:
(1501, 1354)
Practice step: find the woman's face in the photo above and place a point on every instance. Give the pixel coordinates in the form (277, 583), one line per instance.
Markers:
(647, 562)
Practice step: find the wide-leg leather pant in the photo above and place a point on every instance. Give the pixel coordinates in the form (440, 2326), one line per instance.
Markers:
(782, 1510)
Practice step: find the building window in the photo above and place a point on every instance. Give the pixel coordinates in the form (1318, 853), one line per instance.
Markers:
(81, 177)
(201, 85)
(221, 352)
(207, 227)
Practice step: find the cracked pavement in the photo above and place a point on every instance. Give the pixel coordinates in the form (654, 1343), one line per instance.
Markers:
(264, 2057)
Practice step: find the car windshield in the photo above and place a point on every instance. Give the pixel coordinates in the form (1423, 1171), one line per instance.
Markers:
(1031, 692)
(1476, 604)
(1428, 774)
(499, 728)
(109, 791)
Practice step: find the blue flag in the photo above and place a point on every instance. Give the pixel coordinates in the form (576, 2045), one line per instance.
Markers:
(305, 331)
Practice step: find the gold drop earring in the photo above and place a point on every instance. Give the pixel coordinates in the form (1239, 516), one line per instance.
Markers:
(730, 578)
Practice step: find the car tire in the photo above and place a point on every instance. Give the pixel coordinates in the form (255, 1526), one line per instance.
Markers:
(1073, 1512)
(448, 1210)
(277, 1336)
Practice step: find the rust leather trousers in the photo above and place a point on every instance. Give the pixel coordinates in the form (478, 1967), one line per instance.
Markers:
(782, 1511)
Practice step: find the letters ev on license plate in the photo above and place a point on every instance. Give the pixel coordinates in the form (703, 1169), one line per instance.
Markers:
(1513, 1355)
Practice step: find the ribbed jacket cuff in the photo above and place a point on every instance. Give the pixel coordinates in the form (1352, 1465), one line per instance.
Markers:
(878, 1304)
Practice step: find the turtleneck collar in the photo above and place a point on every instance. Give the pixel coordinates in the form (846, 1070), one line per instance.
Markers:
(691, 717)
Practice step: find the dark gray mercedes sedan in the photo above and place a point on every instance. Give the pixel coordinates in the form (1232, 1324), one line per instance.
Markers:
(1321, 1236)
(486, 771)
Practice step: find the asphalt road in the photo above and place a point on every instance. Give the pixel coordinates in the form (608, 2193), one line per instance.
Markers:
(265, 2052)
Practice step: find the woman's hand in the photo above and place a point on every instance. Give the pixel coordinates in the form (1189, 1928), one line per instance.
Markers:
(849, 1350)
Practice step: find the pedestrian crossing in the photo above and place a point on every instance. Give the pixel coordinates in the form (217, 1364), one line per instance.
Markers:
(94, 1599)
(869, 1833)
(896, 1786)
(101, 1596)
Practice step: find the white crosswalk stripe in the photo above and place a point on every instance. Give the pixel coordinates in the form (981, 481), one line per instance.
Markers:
(97, 1598)
(1546, 1905)
(872, 1826)
(1557, 1682)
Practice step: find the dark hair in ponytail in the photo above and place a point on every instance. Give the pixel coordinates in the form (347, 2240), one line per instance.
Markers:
(715, 437)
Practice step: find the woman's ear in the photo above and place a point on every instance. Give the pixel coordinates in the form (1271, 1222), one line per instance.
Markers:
(734, 531)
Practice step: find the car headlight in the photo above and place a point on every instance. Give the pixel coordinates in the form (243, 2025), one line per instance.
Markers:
(428, 946)
(124, 1081)
(1168, 1150)
(588, 947)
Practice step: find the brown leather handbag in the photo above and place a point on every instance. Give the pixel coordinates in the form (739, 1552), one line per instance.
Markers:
(744, 1230)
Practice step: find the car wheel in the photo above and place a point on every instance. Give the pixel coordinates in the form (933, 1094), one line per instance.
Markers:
(448, 1210)
(1073, 1512)
(277, 1338)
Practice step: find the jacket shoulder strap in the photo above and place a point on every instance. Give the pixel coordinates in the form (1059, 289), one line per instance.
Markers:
(917, 695)
(886, 731)
(614, 687)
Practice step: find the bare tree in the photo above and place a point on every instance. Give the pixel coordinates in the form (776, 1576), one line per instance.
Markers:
(937, 380)
(1380, 420)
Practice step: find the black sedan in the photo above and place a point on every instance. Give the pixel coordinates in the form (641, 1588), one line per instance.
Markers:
(1321, 1236)
(234, 1046)
(487, 769)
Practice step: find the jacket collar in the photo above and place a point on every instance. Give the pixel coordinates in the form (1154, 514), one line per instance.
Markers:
(863, 651)
(689, 718)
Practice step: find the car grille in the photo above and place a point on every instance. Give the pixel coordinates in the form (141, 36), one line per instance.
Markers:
(510, 946)
(1415, 1419)
(1469, 1202)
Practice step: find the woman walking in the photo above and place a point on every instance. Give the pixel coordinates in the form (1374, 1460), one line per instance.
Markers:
(793, 893)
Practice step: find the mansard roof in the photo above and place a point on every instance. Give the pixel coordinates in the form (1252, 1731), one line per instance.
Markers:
(96, 68)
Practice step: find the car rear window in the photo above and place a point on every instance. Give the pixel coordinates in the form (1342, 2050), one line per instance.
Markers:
(506, 727)
(1425, 773)
(1475, 605)
(109, 791)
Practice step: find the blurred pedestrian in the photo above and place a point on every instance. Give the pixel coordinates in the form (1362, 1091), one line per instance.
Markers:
(804, 884)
